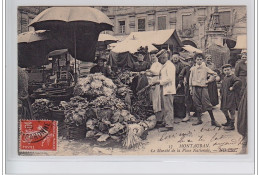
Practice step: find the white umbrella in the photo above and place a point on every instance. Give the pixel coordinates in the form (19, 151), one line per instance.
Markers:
(132, 46)
(106, 37)
(191, 49)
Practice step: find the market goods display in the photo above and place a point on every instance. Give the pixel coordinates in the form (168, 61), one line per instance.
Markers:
(104, 124)
(108, 102)
(41, 108)
(95, 85)
(125, 78)
(75, 110)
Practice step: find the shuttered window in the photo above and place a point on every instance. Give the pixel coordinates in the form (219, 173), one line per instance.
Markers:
(141, 25)
(186, 22)
(122, 27)
(161, 22)
(224, 18)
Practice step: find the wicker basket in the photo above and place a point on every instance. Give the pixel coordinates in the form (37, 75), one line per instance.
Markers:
(72, 131)
(59, 116)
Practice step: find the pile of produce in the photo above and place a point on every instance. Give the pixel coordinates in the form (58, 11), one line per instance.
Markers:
(108, 102)
(75, 110)
(125, 78)
(41, 108)
(103, 124)
(95, 85)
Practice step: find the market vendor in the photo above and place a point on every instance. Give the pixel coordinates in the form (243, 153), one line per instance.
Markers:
(167, 82)
(141, 65)
(178, 65)
(100, 67)
(155, 92)
(140, 81)
(24, 105)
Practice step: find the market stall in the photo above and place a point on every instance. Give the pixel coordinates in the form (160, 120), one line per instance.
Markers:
(162, 39)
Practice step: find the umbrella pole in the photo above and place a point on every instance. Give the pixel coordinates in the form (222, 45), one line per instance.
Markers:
(75, 51)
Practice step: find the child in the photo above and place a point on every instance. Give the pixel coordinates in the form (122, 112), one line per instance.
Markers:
(229, 96)
(199, 91)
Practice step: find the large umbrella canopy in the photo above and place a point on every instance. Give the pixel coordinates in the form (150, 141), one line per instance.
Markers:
(132, 46)
(34, 46)
(77, 27)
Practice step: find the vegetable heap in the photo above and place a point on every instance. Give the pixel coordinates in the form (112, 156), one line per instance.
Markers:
(75, 110)
(103, 124)
(95, 85)
(41, 108)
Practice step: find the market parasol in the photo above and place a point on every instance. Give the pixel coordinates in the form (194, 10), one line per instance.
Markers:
(132, 45)
(34, 46)
(77, 27)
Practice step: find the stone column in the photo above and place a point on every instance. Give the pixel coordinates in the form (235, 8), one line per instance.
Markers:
(202, 26)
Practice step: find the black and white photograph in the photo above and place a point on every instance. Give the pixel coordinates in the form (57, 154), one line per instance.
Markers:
(132, 80)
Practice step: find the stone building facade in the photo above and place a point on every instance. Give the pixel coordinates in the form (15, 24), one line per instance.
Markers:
(198, 26)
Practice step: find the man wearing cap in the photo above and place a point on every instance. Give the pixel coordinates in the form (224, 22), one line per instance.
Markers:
(178, 65)
(184, 79)
(100, 67)
(167, 82)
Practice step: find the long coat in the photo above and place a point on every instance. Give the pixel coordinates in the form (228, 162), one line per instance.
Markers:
(230, 99)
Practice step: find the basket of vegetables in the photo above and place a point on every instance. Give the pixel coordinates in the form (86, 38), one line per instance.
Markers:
(74, 126)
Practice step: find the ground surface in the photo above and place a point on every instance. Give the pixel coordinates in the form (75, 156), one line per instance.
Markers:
(185, 139)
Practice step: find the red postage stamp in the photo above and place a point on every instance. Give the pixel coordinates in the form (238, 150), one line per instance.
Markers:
(36, 135)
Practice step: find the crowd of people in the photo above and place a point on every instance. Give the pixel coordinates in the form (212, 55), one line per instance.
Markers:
(196, 78)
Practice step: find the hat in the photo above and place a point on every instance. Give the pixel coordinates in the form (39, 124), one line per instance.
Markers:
(161, 53)
(100, 58)
(226, 65)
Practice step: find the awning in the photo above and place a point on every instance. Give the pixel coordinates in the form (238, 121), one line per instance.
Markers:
(158, 37)
(241, 42)
(106, 37)
(191, 49)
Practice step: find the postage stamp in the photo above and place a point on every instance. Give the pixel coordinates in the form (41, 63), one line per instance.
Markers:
(38, 135)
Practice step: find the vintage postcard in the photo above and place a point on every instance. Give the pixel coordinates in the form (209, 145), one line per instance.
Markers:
(140, 80)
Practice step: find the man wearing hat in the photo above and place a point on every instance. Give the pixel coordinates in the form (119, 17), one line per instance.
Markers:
(167, 82)
(184, 79)
(100, 67)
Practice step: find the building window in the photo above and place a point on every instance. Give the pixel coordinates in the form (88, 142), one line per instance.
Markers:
(122, 27)
(186, 22)
(161, 22)
(224, 18)
(141, 25)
